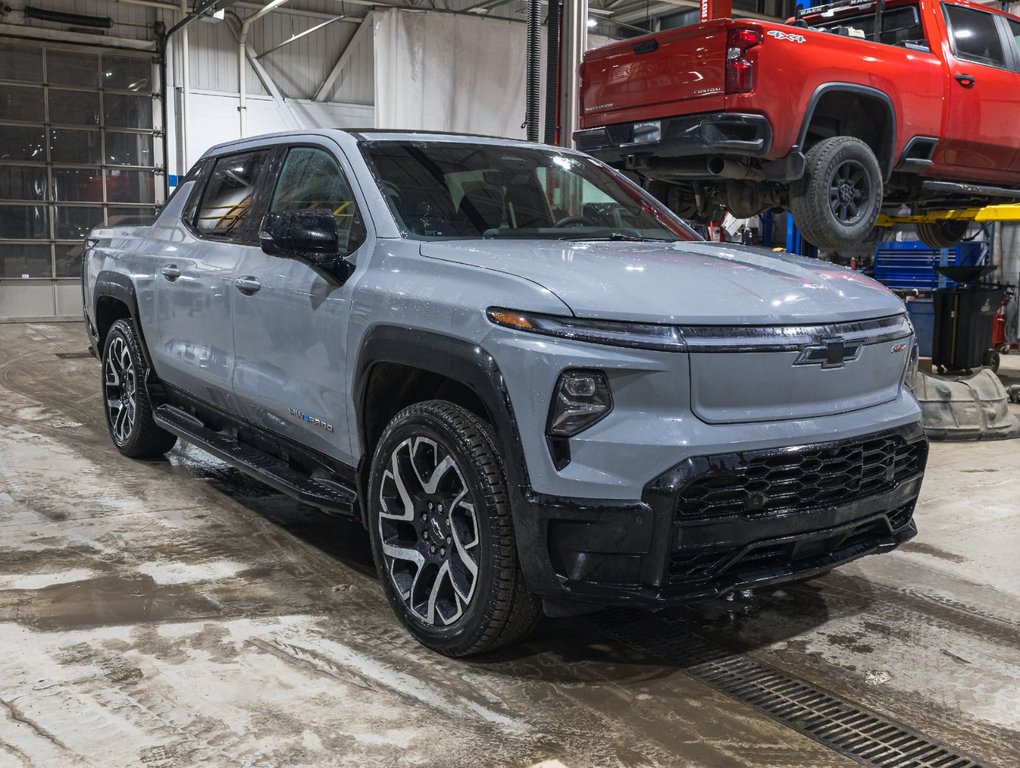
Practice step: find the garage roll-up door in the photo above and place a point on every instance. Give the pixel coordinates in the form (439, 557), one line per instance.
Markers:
(80, 143)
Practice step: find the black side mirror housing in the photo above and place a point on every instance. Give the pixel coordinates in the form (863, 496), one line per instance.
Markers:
(309, 235)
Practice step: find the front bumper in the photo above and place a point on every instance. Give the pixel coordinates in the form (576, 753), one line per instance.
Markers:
(726, 522)
(724, 133)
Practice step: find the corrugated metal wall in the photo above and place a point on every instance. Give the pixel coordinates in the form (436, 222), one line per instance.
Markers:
(298, 69)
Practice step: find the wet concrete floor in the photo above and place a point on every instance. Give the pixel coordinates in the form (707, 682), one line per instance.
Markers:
(177, 613)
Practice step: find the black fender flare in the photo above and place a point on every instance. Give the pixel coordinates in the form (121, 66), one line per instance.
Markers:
(462, 361)
(118, 286)
(886, 161)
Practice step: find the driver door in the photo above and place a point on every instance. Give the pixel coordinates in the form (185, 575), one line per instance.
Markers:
(290, 326)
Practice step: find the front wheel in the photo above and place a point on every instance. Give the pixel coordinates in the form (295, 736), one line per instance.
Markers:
(442, 532)
(126, 403)
(836, 202)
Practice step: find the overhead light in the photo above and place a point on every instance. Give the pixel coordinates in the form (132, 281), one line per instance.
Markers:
(592, 22)
(220, 14)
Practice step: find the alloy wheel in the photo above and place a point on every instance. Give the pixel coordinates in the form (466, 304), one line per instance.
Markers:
(120, 385)
(849, 192)
(429, 531)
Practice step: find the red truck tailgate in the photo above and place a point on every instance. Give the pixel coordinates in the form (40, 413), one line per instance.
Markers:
(673, 73)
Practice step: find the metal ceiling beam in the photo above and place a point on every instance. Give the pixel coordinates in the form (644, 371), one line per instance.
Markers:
(343, 60)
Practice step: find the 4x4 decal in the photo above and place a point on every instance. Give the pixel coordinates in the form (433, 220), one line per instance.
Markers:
(789, 36)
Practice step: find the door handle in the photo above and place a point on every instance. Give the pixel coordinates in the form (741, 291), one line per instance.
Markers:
(170, 271)
(966, 81)
(247, 285)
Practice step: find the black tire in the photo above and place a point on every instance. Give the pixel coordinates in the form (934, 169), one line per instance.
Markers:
(942, 234)
(837, 200)
(499, 609)
(992, 360)
(125, 400)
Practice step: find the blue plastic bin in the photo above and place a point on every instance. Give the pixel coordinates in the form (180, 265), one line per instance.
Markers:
(922, 315)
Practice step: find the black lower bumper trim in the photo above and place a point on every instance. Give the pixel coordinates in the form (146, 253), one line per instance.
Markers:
(724, 133)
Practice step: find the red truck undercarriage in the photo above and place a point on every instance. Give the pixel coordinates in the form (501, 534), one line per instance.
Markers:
(842, 113)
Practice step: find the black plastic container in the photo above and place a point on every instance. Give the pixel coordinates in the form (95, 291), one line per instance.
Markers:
(964, 316)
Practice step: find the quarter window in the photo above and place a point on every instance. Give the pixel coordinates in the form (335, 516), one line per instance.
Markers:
(975, 36)
(312, 178)
(227, 202)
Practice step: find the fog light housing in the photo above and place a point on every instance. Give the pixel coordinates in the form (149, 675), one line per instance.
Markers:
(581, 399)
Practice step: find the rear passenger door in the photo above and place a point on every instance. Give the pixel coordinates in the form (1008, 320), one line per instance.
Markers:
(291, 331)
(194, 281)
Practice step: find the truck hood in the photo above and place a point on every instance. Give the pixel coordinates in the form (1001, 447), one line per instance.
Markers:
(683, 283)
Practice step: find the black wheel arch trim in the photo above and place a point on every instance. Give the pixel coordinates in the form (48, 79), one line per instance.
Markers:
(462, 361)
(119, 287)
(886, 161)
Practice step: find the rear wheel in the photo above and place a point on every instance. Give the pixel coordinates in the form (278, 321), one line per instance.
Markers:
(942, 234)
(837, 200)
(442, 532)
(126, 403)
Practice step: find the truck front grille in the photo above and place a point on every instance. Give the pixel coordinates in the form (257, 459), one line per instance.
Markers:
(803, 478)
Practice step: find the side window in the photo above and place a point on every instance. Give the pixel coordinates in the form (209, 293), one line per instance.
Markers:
(1014, 32)
(311, 178)
(975, 36)
(228, 194)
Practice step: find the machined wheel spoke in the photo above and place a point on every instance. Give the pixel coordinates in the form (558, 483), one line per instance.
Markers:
(429, 530)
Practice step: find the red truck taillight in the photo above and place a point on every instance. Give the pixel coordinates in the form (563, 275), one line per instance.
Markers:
(740, 71)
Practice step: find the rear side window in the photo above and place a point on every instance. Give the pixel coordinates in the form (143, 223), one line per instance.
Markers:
(227, 203)
(312, 178)
(975, 36)
(1014, 32)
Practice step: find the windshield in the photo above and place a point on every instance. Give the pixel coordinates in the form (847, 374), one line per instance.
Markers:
(451, 190)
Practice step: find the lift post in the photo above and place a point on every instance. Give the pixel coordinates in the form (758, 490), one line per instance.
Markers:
(716, 9)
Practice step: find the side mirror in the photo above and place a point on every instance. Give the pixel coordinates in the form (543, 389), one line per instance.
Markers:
(309, 235)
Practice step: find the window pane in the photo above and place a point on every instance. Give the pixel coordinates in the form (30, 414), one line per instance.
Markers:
(78, 185)
(17, 63)
(976, 36)
(130, 187)
(74, 107)
(130, 217)
(19, 102)
(24, 222)
(128, 148)
(22, 143)
(229, 193)
(123, 111)
(311, 178)
(73, 223)
(70, 146)
(1014, 30)
(64, 68)
(68, 259)
(24, 260)
(127, 74)
(22, 182)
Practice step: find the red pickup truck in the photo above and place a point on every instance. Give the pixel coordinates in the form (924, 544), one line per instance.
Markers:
(836, 115)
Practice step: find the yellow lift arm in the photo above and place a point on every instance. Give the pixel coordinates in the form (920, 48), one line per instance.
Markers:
(1008, 212)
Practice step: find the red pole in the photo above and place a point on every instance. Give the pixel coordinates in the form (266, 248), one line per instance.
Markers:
(716, 9)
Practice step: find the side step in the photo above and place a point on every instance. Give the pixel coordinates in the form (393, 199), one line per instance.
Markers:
(326, 494)
(978, 190)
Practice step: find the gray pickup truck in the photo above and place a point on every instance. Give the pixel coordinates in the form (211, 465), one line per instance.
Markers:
(535, 386)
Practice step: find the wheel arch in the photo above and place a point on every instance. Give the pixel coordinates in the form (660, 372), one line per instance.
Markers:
(398, 366)
(833, 102)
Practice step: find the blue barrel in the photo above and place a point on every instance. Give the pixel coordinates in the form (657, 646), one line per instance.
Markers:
(922, 315)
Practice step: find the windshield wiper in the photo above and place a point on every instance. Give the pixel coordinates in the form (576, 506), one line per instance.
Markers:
(616, 236)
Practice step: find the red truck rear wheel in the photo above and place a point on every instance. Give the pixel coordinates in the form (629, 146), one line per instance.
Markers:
(837, 200)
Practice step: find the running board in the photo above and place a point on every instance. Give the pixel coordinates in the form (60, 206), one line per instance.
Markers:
(326, 494)
(979, 190)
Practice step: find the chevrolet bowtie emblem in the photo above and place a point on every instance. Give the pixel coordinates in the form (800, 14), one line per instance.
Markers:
(830, 353)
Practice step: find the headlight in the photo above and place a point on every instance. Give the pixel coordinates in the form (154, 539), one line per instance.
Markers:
(621, 334)
(581, 399)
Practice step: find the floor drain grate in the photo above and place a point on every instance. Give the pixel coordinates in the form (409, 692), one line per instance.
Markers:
(852, 730)
(73, 355)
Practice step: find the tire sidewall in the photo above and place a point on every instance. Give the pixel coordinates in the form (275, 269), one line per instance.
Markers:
(417, 422)
(121, 329)
(810, 197)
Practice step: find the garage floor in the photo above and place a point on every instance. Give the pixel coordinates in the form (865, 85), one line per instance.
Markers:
(176, 613)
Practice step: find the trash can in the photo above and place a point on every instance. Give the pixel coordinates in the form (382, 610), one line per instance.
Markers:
(964, 315)
(922, 315)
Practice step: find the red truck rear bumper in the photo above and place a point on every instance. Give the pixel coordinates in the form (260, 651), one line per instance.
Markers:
(720, 133)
